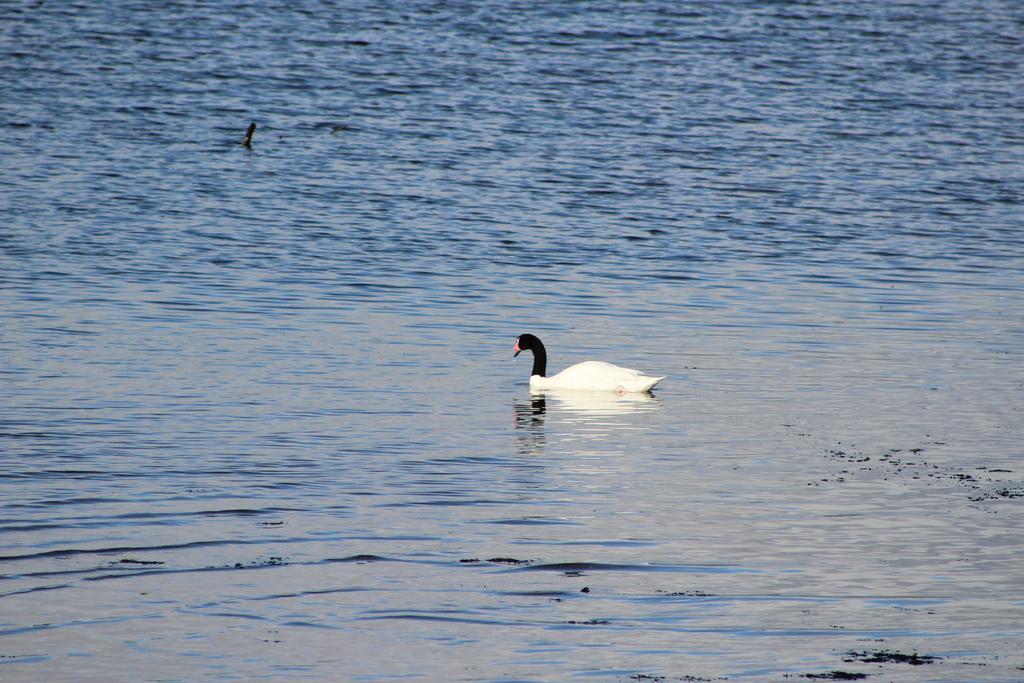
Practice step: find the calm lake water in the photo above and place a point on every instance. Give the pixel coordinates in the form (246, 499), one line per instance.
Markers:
(259, 416)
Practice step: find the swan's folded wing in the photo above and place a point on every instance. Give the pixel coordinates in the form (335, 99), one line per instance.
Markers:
(595, 375)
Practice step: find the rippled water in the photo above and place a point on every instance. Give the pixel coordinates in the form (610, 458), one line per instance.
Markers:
(260, 418)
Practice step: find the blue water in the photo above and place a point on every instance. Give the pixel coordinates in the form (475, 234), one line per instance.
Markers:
(259, 416)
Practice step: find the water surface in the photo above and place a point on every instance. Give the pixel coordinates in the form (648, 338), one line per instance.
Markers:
(260, 418)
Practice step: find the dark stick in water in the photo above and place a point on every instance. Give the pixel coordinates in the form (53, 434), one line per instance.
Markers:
(248, 134)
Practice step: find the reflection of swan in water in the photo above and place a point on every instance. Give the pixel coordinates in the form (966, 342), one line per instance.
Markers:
(530, 420)
(595, 403)
(568, 415)
(533, 414)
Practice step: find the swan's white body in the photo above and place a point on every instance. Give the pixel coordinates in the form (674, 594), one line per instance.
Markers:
(593, 375)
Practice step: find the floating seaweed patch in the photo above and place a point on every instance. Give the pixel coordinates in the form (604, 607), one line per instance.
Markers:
(886, 656)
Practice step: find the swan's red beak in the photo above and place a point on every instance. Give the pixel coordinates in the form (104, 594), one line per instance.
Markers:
(516, 349)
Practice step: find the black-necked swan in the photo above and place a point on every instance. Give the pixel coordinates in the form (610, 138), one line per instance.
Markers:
(590, 375)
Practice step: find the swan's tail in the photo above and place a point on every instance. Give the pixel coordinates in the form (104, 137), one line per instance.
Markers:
(654, 382)
(644, 383)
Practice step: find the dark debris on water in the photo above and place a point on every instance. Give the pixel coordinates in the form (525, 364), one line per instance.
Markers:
(498, 560)
(129, 560)
(589, 622)
(691, 679)
(890, 464)
(886, 656)
(270, 562)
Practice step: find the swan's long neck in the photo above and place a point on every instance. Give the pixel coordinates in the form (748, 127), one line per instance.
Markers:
(540, 359)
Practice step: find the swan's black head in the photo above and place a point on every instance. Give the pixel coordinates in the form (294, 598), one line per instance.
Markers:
(526, 342)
